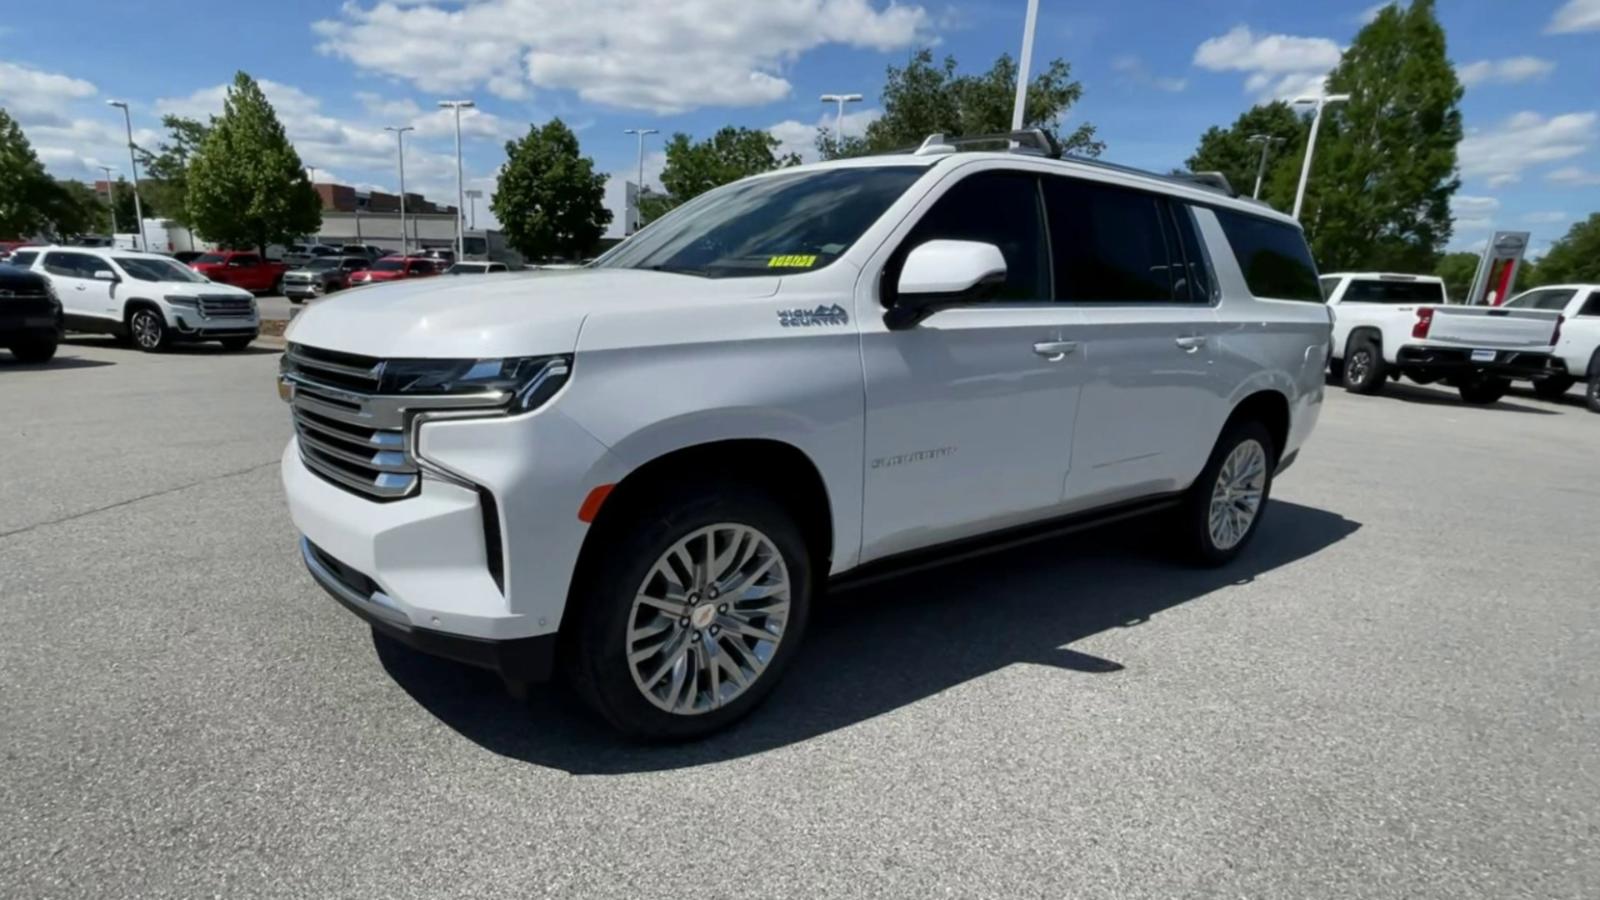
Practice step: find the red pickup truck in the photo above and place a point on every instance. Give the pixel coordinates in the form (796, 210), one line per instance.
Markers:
(242, 269)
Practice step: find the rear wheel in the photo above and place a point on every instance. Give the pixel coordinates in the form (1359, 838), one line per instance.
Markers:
(1484, 390)
(1555, 387)
(692, 613)
(1224, 506)
(1364, 368)
(35, 350)
(148, 329)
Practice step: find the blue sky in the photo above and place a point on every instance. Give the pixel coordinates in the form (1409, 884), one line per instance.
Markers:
(1156, 73)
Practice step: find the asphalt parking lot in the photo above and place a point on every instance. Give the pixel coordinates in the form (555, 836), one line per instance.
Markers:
(1393, 694)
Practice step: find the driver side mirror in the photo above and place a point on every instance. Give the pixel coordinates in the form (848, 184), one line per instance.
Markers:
(105, 275)
(941, 274)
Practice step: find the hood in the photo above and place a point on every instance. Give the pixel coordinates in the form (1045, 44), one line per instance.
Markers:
(518, 314)
(193, 289)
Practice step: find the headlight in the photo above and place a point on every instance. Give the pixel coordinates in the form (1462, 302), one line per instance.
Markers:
(180, 300)
(522, 383)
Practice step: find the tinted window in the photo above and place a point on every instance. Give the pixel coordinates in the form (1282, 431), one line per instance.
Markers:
(388, 264)
(244, 259)
(1273, 256)
(23, 258)
(1556, 299)
(421, 266)
(73, 265)
(211, 258)
(1110, 244)
(1393, 291)
(145, 269)
(775, 224)
(1193, 283)
(1000, 208)
(1592, 308)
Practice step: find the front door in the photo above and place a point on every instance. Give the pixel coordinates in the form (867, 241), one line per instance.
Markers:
(968, 423)
(86, 301)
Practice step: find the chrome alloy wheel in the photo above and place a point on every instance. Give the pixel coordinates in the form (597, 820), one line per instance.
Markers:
(708, 618)
(1359, 365)
(1236, 497)
(146, 329)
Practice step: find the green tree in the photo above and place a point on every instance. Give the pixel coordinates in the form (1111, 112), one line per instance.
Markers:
(550, 200)
(924, 98)
(25, 189)
(1229, 150)
(1573, 258)
(245, 184)
(694, 167)
(1385, 166)
(78, 210)
(167, 186)
(1457, 270)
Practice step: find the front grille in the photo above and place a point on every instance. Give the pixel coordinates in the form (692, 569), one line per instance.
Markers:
(226, 307)
(348, 434)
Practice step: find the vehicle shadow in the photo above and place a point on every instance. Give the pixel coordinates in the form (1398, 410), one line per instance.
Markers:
(204, 348)
(887, 645)
(1428, 395)
(1572, 399)
(9, 363)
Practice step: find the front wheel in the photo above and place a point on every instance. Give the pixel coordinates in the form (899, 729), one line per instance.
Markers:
(693, 612)
(1555, 387)
(1224, 506)
(35, 351)
(1484, 390)
(148, 330)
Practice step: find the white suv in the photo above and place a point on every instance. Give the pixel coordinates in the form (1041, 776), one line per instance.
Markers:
(644, 471)
(151, 299)
(1576, 356)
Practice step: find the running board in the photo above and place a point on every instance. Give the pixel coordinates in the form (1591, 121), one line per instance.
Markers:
(899, 564)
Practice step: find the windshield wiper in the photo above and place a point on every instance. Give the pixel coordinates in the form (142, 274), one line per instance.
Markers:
(675, 270)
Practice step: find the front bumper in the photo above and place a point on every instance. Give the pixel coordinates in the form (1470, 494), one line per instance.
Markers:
(1450, 362)
(306, 289)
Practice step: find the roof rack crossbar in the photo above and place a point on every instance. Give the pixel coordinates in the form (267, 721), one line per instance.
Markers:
(1033, 141)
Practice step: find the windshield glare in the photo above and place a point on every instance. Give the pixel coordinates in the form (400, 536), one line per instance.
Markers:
(157, 270)
(770, 225)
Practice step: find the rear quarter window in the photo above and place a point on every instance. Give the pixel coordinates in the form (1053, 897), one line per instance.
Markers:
(1393, 291)
(1273, 257)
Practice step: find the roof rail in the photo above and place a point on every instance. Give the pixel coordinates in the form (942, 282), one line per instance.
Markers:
(1215, 180)
(1032, 141)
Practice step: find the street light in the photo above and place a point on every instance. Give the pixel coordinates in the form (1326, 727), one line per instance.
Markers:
(1321, 100)
(1022, 69)
(138, 209)
(838, 129)
(111, 201)
(1266, 141)
(312, 171)
(400, 149)
(473, 196)
(461, 240)
(638, 211)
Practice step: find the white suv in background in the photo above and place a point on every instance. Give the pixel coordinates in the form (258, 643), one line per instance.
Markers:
(150, 299)
(1577, 353)
(644, 471)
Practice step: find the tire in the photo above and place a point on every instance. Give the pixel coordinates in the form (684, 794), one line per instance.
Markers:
(34, 351)
(1484, 390)
(654, 699)
(148, 329)
(1364, 368)
(235, 344)
(1554, 387)
(1233, 469)
(1591, 394)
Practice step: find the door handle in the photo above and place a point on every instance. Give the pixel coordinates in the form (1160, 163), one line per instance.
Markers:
(1191, 343)
(1055, 351)
(80, 287)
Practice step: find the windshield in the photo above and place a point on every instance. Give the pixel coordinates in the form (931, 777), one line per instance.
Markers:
(212, 258)
(767, 226)
(321, 263)
(156, 269)
(388, 264)
(1361, 291)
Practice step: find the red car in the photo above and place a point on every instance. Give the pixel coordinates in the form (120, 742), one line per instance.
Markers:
(242, 269)
(395, 268)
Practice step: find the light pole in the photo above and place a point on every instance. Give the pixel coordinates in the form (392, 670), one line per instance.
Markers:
(1266, 141)
(138, 209)
(111, 200)
(1321, 100)
(400, 149)
(312, 171)
(1022, 69)
(473, 196)
(838, 128)
(638, 210)
(461, 200)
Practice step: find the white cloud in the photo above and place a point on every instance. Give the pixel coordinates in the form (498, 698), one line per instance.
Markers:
(636, 54)
(1576, 176)
(1575, 16)
(1472, 214)
(1546, 217)
(798, 137)
(1501, 154)
(1510, 70)
(1132, 70)
(1280, 66)
(34, 97)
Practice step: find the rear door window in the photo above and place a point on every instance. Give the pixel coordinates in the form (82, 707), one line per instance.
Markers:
(999, 208)
(1396, 291)
(1110, 244)
(1554, 299)
(1273, 256)
(1592, 307)
(69, 265)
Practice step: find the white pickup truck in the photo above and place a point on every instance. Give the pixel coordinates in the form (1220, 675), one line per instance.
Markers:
(1577, 353)
(1386, 325)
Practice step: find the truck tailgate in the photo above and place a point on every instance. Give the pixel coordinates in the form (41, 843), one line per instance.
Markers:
(1493, 327)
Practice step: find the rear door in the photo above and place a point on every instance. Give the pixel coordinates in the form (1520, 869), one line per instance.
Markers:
(1148, 332)
(85, 300)
(246, 271)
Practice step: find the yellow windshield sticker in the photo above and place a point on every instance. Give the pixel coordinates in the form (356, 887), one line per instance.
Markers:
(792, 261)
